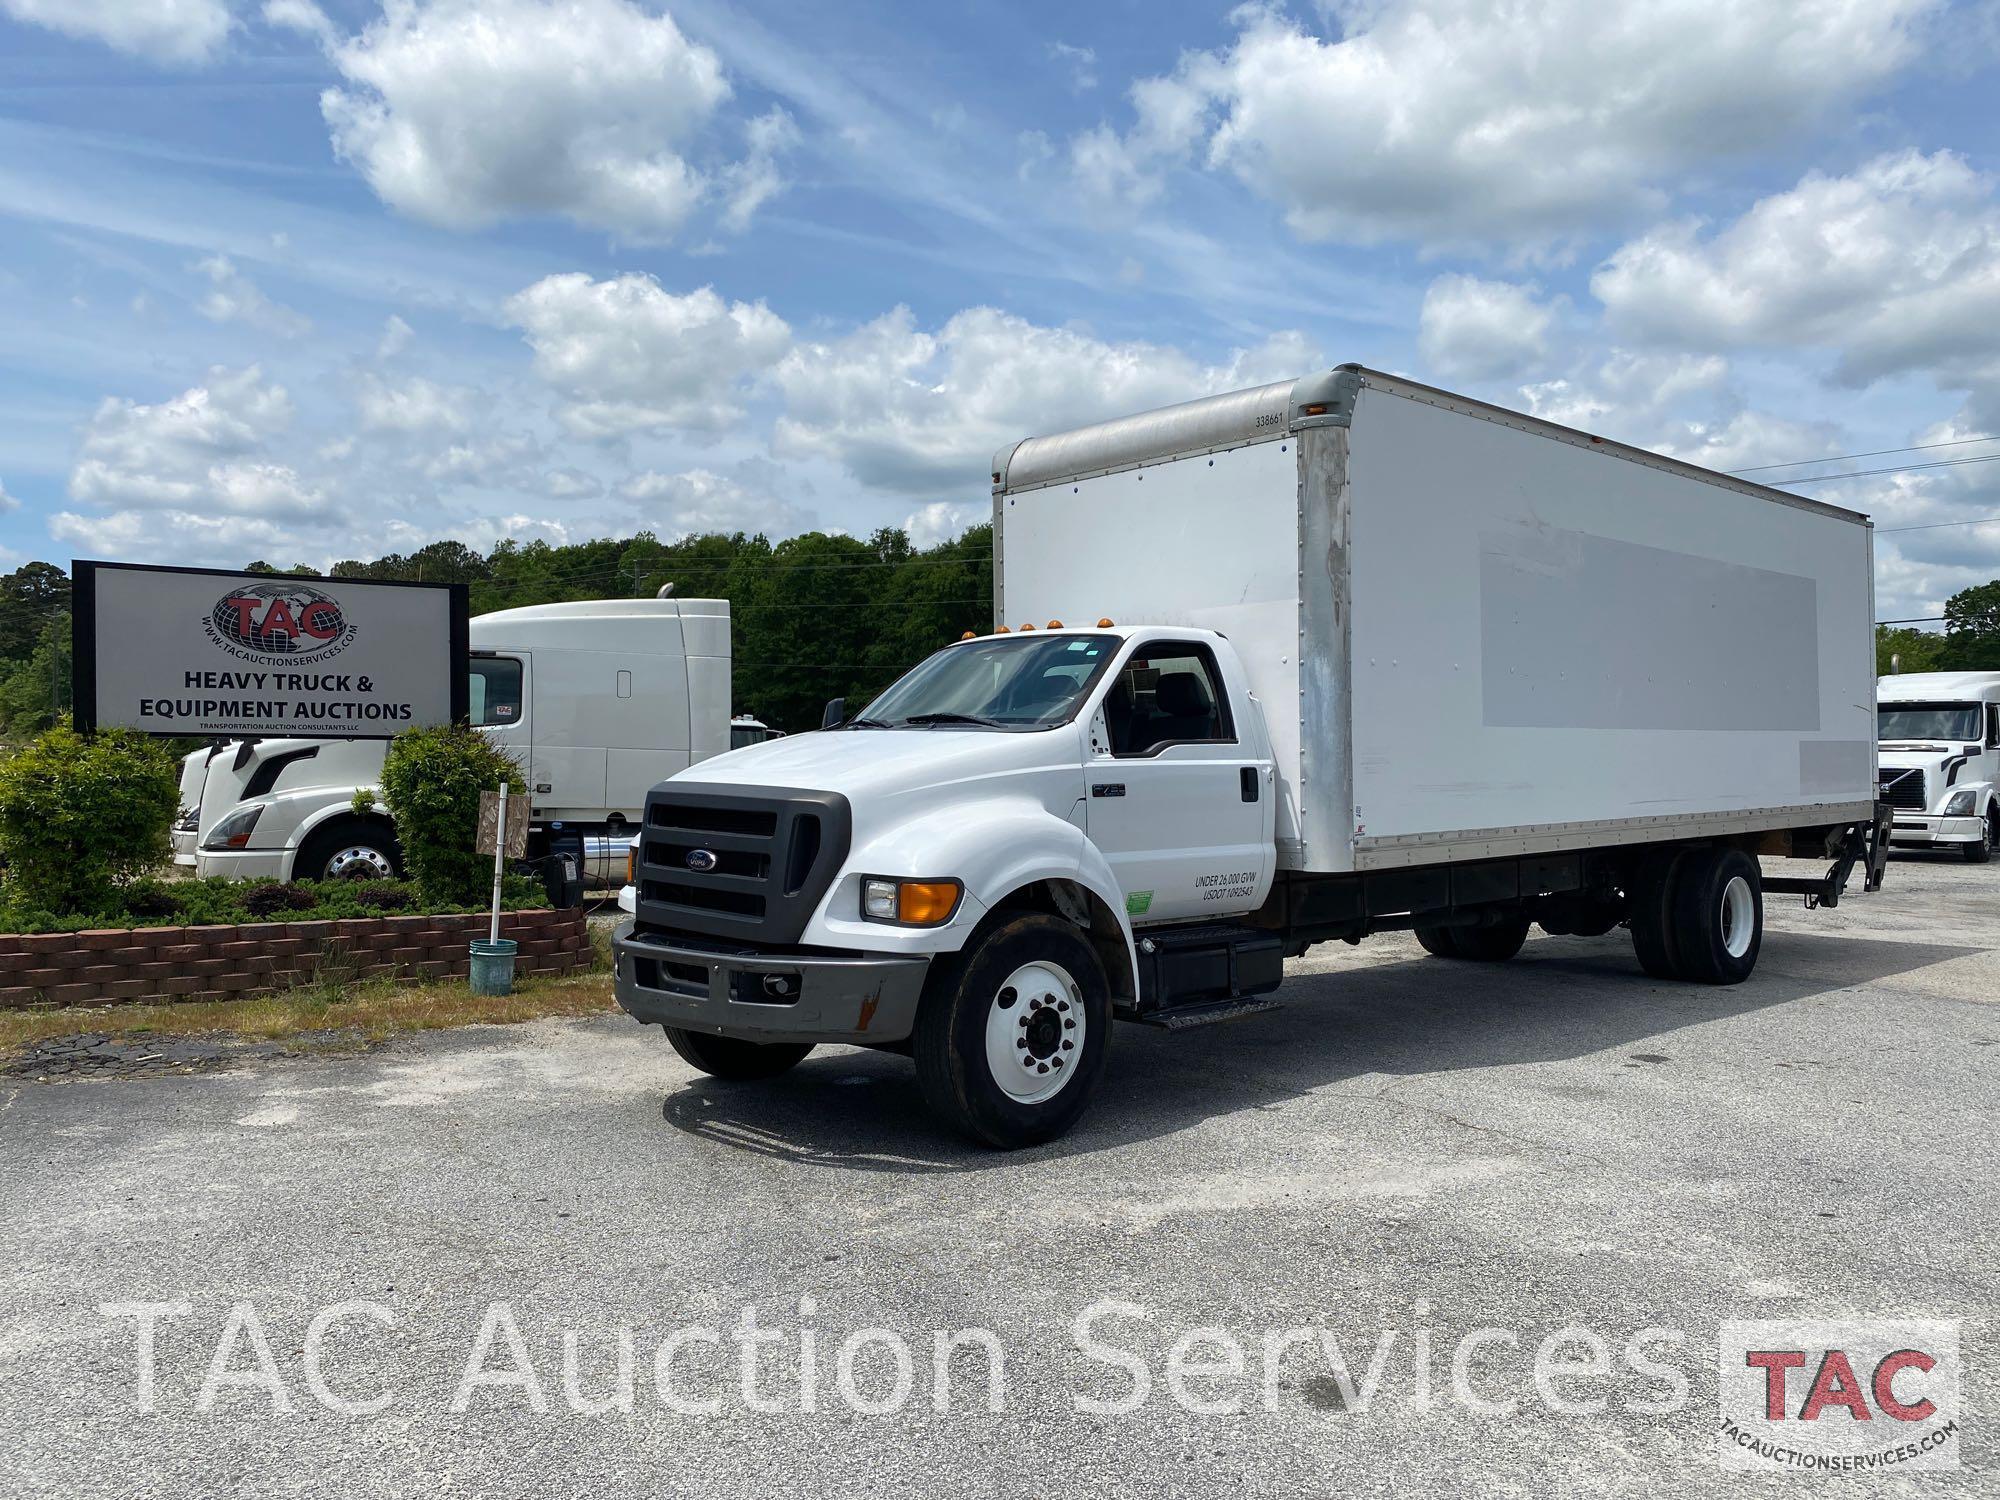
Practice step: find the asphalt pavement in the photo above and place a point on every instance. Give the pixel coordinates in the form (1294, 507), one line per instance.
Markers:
(1413, 1165)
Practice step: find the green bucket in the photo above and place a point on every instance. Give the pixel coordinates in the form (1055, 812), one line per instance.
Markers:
(493, 966)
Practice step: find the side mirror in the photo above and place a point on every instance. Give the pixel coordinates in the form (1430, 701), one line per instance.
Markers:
(836, 710)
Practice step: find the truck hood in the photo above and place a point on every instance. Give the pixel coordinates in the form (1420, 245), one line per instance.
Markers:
(1917, 757)
(882, 763)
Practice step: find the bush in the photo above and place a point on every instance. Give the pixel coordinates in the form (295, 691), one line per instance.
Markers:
(276, 899)
(431, 780)
(79, 817)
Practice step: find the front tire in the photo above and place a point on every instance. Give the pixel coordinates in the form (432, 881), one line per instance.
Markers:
(1980, 851)
(732, 1059)
(352, 849)
(1012, 1034)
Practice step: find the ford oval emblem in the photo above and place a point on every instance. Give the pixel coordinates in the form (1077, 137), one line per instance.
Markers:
(700, 859)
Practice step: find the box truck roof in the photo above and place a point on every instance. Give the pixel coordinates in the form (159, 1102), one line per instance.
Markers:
(1270, 412)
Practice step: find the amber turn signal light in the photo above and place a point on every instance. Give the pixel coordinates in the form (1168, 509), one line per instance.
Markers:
(926, 903)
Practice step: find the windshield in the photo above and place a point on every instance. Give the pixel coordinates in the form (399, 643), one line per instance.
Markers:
(1002, 682)
(1927, 721)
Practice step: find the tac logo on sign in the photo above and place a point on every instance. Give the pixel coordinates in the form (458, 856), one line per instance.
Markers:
(280, 621)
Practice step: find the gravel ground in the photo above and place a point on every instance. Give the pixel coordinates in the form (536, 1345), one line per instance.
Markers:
(1410, 1150)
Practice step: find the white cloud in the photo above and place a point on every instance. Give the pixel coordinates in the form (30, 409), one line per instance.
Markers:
(631, 356)
(181, 32)
(186, 536)
(911, 410)
(1081, 62)
(233, 298)
(754, 181)
(1482, 330)
(1631, 395)
(571, 484)
(396, 337)
(466, 112)
(1895, 268)
(303, 16)
(676, 505)
(7, 501)
(415, 405)
(942, 520)
(1458, 121)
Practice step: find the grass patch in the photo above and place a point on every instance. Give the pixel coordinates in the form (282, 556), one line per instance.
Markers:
(369, 1011)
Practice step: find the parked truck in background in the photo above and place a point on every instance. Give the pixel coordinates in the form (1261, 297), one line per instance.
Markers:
(1276, 668)
(596, 700)
(1939, 760)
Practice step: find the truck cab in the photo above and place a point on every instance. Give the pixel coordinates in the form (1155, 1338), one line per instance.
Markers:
(1008, 822)
(1938, 760)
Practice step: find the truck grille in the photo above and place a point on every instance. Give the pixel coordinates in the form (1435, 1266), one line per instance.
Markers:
(1903, 790)
(749, 863)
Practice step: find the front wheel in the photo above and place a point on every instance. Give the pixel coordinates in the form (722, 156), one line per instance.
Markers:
(734, 1060)
(1012, 1034)
(1981, 849)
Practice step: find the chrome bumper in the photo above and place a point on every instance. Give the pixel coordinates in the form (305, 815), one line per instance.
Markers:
(767, 997)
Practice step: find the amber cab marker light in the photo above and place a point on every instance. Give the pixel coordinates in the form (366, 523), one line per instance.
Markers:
(1055, 624)
(1314, 409)
(1029, 626)
(925, 903)
(1105, 623)
(969, 636)
(1003, 630)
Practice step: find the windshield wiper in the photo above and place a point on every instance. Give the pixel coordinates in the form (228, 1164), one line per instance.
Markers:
(867, 724)
(949, 718)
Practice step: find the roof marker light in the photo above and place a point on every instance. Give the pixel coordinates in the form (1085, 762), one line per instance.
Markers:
(1105, 623)
(1029, 626)
(1055, 624)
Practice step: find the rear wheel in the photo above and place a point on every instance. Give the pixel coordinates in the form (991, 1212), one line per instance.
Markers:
(1439, 942)
(1012, 1034)
(1718, 916)
(1653, 912)
(1493, 943)
(733, 1059)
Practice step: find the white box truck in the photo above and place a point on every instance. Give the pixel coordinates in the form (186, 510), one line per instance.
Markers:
(597, 700)
(1940, 760)
(1270, 669)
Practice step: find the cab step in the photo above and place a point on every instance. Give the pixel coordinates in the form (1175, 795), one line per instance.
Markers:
(1191, 976)
(1181, 1017)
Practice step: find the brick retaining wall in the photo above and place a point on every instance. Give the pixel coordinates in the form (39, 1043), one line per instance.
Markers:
(136, 965)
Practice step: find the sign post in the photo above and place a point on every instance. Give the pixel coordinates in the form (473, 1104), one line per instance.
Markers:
(499, 856)
(223, 655)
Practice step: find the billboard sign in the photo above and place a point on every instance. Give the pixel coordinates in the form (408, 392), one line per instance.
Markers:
(193, 651)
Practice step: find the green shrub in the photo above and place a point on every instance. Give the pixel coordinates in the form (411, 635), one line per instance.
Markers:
(79, 817)
(277, 899)
(431, 780)
(221, 902)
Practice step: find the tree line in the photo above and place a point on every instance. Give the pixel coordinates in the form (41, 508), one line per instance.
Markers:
(814, 617)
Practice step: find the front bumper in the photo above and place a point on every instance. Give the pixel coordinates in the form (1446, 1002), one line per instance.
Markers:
(1918, 829)
(244, 864)
(864, 998)
(184, 845)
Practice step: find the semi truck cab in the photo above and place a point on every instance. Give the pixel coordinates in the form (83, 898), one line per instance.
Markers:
(1938, 760)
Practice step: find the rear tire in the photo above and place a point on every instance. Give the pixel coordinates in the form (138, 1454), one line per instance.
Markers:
(732, 1059)
(1653, 934)
(1980, 852)
(1030, 996)
(1718, 916)
(1492, 944)
(1439, 942)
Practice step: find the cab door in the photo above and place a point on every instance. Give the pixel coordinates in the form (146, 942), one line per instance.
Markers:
(498, 704)
(1179, 787)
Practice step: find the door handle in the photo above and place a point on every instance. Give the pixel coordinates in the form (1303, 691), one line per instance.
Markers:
(1249, 778)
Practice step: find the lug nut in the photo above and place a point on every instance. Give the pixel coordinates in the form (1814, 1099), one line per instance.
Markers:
(1062, 1005)
(1068, 1045)
(1043, 1068)
(1055, 1062)
(1021, 1042)
(1070, 1024)
(1028, 1062)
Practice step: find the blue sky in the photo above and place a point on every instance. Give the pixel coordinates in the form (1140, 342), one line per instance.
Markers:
(318, 281)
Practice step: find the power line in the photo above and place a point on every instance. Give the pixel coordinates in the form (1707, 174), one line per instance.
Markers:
(1935, 525)
(1940, 463)
(1841, 458)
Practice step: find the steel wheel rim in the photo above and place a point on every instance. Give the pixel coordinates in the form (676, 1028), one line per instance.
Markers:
(1035, 1030)
(360, 862)
(1739, 916)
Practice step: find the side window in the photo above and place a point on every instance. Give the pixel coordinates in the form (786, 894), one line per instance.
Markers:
(1169, 694)
(496, 690)
(1993, 723)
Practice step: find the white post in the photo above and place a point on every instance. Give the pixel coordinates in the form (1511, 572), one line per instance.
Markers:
(499, 856)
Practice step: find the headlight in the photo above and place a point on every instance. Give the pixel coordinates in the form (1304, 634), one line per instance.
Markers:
(1960, 803)
(233, 832)
(910, 903)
